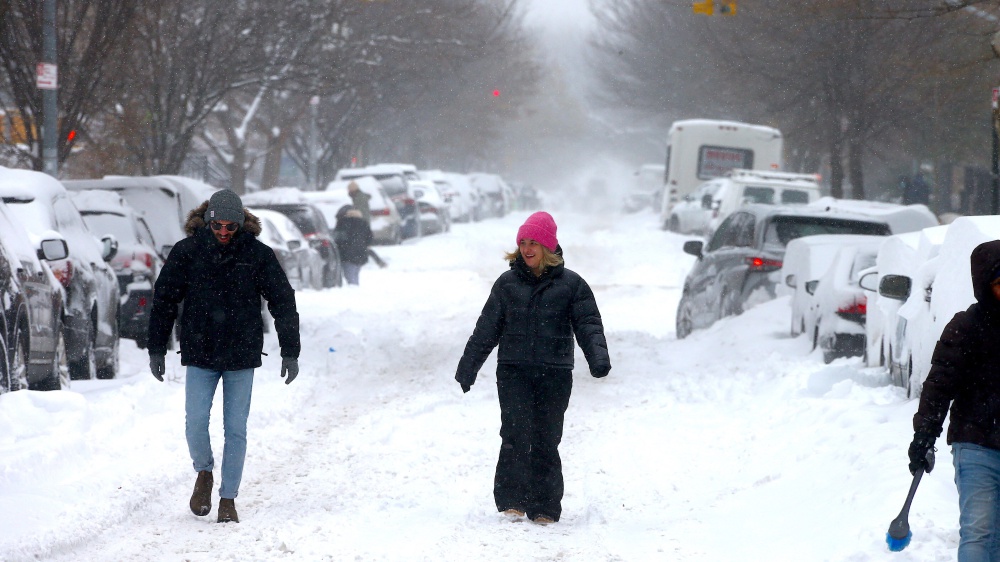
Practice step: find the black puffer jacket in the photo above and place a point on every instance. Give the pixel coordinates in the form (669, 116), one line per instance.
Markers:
(965, 367)
(221, 286)
(534, 319)
(353, 235)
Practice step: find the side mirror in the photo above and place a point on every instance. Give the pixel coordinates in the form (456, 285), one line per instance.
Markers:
(53, 249)
(790, 280)
(165, 250)
(869, 281)
(110, 249)
(811, 286)
(895, 287)
(294, 245)
(694, 247)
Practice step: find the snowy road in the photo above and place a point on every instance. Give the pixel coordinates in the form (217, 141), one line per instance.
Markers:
(734, 444)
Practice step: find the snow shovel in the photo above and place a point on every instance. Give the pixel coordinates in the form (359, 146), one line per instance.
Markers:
(899, 534)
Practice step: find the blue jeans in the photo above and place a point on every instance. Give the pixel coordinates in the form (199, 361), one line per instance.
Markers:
(351, 272)
(199, 392)
(977, 477)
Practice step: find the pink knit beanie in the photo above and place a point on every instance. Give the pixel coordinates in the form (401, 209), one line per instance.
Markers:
(541, 228)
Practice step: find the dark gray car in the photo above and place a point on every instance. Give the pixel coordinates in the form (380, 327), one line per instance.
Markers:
(742, 260)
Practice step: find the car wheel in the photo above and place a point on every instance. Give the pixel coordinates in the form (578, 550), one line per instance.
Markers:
(5, 385)
(685, 323)
(59, 377)
(19, 363)
(815, 337)
(109, 370)
(908, 379)
(730, 305)
(86, 367)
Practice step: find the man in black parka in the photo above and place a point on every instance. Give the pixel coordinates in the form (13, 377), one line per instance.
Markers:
(965, 373)
(533, 313)
(220, 272)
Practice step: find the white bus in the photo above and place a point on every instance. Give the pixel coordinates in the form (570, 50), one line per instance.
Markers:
(703, 149)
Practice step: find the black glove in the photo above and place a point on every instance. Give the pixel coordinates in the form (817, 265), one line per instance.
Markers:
(600, 372)
(465, 387)
(289, 366)
(921, 452)
(158, 365)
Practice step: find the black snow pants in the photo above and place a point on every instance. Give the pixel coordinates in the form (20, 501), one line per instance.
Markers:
(533, 402)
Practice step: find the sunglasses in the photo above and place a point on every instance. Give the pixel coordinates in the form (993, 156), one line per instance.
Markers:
(231, 227)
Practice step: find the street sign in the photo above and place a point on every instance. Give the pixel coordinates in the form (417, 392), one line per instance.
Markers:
(46, 76)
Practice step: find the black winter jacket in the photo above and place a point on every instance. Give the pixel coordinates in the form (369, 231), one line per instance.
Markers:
(534, 319)
(353, 235)
(221, 287)
(965, 366)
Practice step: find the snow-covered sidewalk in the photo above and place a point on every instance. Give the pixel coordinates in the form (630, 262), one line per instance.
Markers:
(737, 443)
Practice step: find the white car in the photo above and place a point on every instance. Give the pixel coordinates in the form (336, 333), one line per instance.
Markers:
(838, 307)
(939, 288)
(900, 218)
(806, 260)
(694, 212)
(386, 223)
(303, 265)
(434, 214)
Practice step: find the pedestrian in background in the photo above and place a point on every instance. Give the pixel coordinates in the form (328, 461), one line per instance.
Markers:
(533, 313)
(965, 374)
(360, 200)
(353, 236)
(219, 273)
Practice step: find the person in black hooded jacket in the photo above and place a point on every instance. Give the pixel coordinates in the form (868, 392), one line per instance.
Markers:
(533, 312)
(965, 374)
(219, 273)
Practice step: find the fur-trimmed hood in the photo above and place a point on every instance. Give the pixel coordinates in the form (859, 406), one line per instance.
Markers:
(196, 221)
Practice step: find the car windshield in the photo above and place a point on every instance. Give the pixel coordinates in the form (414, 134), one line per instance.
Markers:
(302, 217)
(118, 225)
(784, 228)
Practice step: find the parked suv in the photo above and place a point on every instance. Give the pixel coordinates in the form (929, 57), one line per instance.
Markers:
(741, 263)
(90, 323)
(136, 263)
(31, 309)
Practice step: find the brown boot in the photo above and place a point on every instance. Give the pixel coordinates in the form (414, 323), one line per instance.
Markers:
(227, 511)
(201, 499)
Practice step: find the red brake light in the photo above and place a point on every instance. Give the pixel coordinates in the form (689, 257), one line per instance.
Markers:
(148, 259)
(64, 274)
(763, 264)
(380, 212)
(856, 307)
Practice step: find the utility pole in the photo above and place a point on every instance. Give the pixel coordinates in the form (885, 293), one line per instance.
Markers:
(313, 145)
(47, 81)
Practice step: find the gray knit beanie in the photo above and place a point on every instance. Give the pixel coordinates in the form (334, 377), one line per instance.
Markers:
(225, 205)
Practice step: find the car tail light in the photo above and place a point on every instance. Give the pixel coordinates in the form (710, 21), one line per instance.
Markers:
(64, 274)
(142, 302)
(147, 259)
(855, 310)
(763, 264)
(380, 212)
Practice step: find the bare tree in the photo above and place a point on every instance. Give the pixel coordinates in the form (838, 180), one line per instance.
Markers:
(90, 37)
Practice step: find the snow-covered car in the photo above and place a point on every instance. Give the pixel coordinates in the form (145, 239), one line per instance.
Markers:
(395, 179)
(495, 200)
(32, 355)
(434, 214)
(940, 287)
(291, 202)
(164, 201)
(837, 309)
(901, 255)
(694, 212)
(136, 263)
(806, 260)
(458, 203)
(900, 218)
(302, 264)
(466, 194)
(740, 187)
(740, 265)
(90, 322)
(386, 224)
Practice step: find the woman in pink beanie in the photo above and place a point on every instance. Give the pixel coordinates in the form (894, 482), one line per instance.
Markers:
(533, 313)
